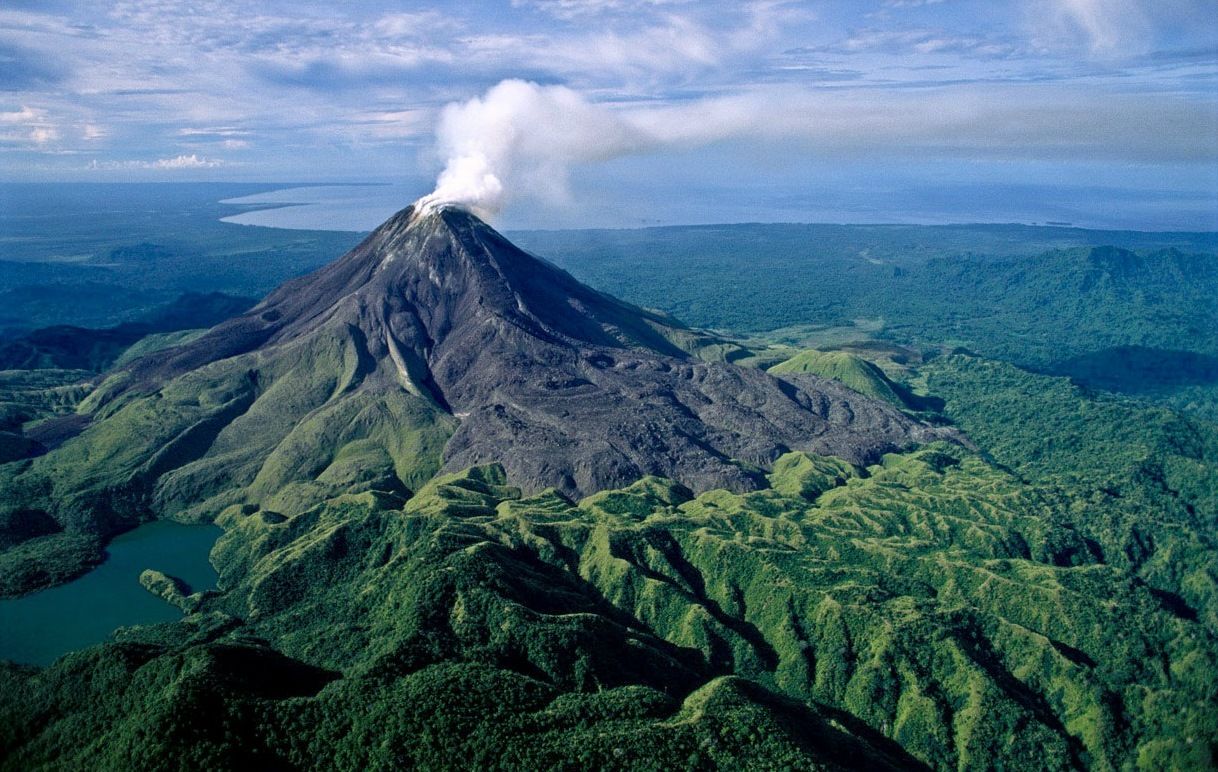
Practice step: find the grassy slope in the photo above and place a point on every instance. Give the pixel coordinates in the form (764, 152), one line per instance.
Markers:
(284, 431)
(851, 370)
(1142, 481)
(934, 600)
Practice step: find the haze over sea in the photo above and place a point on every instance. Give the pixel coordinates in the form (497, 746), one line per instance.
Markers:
(363, 207)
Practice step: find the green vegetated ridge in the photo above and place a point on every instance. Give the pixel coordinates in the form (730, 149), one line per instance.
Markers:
(100, 254)
(1028, 295)
(1138, 318)
(1141, 480)
(934, 609)
(285, 431)
(28, 396)
(851, 369)
(66, 347)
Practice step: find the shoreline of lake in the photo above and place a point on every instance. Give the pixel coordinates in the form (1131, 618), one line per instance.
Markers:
(38, 628)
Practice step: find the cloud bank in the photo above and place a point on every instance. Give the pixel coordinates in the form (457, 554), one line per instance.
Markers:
(191, 161)
(775, 97)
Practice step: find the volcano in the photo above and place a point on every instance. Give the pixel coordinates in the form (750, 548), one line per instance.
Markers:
(436, 344)
(929, 611)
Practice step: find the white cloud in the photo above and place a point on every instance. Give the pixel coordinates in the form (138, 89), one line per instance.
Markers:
(574, 9)
(227, 137)
(1106, 28)
(41, 135)
(179, 162)
(391, 124)
(191, 161)
(28, 22)
(923, 41)
(30, 126)
(421, 24)
(24, 115)
(666, 50)
(1104, 23)
(215, 131)
(360, 87)
(674, 46)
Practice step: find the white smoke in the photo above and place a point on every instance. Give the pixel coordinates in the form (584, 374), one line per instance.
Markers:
(521, 140)
(524, 138)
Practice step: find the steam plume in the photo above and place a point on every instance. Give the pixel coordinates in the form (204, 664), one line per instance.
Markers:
(521, 139)
(524, 138)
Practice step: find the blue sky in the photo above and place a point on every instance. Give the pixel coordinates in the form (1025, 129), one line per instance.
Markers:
(767, 99)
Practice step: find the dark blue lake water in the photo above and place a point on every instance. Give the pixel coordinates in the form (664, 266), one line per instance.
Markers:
(38, 628)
